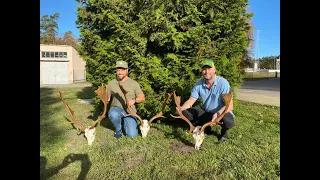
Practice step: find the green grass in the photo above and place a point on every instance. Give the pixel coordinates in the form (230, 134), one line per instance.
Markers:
(257, 78)
(259, 75)
(82, 82)
(252, 152)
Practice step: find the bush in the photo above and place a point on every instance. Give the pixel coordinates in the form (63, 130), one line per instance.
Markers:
(163, 42)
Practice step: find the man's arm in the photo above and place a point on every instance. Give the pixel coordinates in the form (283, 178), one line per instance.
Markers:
(140, 98)
(224, 107)
(192, 99)
(217, 114)
(225, 88)
(188, 103)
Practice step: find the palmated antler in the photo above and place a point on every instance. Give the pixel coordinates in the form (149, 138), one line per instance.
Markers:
(177, 101)
(104, 96)
(160, 114)
(131, 113)
(73, 119)
(227, 99)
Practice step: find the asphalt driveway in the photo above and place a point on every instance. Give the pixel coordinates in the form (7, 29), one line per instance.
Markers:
(265, 91)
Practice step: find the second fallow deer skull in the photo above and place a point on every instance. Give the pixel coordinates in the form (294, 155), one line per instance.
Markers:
(144, 124)
(198, 132)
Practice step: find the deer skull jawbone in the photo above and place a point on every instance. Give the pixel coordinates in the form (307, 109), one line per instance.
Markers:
(198, 138)
(90, 134)
(145, 128)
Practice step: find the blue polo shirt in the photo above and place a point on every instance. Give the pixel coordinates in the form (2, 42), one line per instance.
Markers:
(211, 98)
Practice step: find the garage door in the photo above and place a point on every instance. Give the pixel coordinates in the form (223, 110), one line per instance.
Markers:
(54, 72)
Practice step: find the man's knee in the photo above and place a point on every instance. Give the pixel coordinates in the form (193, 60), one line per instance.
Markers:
(132, 134)
(228, 121)
(131, 131)
(130, 127)
(187, 114)
(190, 113)
(114, 114)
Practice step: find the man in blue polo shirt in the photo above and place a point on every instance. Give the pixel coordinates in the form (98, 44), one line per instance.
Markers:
(209, 89)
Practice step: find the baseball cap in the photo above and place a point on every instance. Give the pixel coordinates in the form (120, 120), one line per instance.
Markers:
(122, 64)
(207, 62)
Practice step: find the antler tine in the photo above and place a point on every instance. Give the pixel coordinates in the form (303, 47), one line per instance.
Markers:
(104, 96)
(160, 113)
(177, 101)
(227, 99)
(73, 121)
(131, 113)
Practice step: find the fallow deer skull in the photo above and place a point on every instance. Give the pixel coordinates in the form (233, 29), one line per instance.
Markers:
(197, 137)
(90, 131)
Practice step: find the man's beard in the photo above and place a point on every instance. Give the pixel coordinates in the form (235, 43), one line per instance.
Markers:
(207, 77)
(122, 76)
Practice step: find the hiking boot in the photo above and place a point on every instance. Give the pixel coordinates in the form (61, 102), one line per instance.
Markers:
(224, 135)
(117, 135)
(221, 139)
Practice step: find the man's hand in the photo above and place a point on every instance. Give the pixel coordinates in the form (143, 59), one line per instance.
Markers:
(214, 117)
(131, 102)
(178, 110)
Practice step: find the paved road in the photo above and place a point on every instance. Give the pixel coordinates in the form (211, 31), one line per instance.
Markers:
(272, 84)
(266, 91)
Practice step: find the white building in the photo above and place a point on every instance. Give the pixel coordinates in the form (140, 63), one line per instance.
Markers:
(60, 64)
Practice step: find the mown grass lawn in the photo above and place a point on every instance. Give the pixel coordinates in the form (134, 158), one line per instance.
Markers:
(252, 152)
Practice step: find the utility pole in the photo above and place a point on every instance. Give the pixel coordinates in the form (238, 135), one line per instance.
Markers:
(258, 48)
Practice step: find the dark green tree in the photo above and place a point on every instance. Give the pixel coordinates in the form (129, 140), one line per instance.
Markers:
(163, 41)
(48, 28)
(268, 62)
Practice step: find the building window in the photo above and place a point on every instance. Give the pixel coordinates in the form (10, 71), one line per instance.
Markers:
(54, 54)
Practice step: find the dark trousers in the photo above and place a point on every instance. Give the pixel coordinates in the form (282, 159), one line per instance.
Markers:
(198, 117)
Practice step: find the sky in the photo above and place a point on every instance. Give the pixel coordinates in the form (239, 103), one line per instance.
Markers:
(266, 21)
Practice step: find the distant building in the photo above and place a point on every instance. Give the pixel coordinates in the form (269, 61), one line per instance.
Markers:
(60, 64)
(255, 66)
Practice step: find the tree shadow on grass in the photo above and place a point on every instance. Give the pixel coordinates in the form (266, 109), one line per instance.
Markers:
(86, 93)
(49, 134)
(46, 173)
